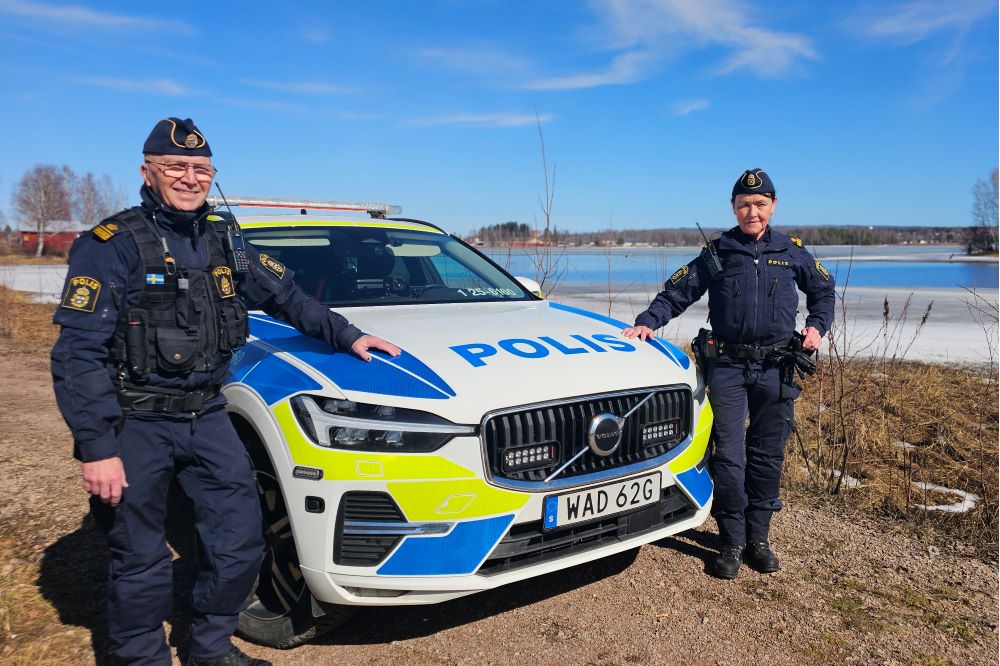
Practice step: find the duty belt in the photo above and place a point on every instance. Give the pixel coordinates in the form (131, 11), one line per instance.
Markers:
(148, 399)
(748, 352)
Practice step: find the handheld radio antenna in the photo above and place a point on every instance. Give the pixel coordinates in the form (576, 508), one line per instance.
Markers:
(710, 255)
(234, 239)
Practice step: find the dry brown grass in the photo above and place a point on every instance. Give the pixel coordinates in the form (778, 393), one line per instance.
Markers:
(27, 618)
(948, 416)
(895, 425)
(25, 259)
(28, 325)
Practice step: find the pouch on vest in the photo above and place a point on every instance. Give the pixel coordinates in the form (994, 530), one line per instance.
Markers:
(235, 326)
(177, 350)
(135, 343)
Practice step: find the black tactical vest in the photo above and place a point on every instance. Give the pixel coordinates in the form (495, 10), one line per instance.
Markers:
(187, 319)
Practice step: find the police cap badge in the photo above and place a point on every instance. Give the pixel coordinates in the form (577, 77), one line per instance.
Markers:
(173, 136)
(753, 181)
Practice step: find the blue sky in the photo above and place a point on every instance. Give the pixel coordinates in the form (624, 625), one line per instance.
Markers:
(862, 112)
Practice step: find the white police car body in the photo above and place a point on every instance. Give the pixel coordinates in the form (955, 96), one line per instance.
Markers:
(513, 437)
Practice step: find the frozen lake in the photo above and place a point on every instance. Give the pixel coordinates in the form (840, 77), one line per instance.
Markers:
(950, 334)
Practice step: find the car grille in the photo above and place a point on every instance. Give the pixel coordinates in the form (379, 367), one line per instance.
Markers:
(565, 425)
(528, 544)
(365, 550)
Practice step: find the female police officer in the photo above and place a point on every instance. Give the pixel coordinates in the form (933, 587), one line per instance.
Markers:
(751, 273)
(151, 314)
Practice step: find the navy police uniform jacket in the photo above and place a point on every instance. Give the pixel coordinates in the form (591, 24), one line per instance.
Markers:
(754, 300)
(83, 373)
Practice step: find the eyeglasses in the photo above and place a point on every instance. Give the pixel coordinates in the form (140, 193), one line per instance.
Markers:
(202, 172)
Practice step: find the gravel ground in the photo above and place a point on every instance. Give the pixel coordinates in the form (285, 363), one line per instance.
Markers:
(848, 592)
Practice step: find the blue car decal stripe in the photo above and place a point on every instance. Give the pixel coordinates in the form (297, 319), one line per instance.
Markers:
(274, 379)
(461, 551)
(245, 359)
(404, 375)
(697, 484)
(668, 349)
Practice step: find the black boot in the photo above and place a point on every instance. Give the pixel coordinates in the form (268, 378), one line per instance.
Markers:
(232, 658)
(760, 556)
(727, 564)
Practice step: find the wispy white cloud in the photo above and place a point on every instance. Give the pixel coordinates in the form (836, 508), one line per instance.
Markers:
(687, 106)
(167, 87)
(482, 120)
(915, 21)
(483, 59)
(302, 87)
(624, 68)
(76, 15)
(646, 33)
(941, 68)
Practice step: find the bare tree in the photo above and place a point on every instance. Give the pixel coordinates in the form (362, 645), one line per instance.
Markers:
(982, 236)
(43, 199)
(96, 199)
(548, 263)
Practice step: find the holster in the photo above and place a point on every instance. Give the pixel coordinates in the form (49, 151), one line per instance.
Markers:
(705, 350)
(790, 389)
(792, 359)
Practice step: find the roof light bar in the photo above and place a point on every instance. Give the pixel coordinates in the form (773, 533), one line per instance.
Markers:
(373, 209)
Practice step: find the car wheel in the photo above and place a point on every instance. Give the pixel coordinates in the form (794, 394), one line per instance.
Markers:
(282, 613)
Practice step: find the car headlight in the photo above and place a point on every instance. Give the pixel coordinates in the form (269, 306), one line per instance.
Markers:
(357, 426)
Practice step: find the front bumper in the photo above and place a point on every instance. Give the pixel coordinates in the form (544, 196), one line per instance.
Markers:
(489, 536)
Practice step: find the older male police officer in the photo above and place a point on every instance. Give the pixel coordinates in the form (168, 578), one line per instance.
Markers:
(751, 274)
(151, 314)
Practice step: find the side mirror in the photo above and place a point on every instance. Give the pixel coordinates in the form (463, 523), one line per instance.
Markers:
(531, 286)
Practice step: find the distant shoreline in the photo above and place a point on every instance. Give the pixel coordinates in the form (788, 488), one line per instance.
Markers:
(823, 251)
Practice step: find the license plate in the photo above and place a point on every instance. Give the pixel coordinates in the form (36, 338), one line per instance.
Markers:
(606, 500)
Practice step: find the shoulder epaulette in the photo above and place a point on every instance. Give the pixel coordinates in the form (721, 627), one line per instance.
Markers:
(797, 241)
(105, 230)
(113, 225)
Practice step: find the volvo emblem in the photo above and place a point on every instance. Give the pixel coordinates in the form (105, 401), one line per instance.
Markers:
(605, 434)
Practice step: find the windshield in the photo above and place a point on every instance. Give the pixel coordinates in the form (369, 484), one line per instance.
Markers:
(357, 265)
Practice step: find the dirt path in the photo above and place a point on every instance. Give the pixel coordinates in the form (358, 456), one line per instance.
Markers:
(848, 592)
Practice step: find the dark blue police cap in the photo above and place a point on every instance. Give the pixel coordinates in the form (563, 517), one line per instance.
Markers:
(753, 181)
(173, 136)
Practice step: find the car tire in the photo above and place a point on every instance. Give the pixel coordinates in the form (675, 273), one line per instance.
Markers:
(281, 611)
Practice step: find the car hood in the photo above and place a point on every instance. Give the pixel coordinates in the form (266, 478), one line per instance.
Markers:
(463, 360)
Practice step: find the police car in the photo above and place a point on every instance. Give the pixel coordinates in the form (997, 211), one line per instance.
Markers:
(514, 436)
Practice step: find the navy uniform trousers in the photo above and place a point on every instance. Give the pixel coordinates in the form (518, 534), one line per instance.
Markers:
(213, 469)
(746, 461)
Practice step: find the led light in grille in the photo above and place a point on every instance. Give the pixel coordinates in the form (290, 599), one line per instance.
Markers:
(664, 432)
(529, 457)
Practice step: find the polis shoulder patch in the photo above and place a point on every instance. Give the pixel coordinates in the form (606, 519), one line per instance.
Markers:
(81, 294)
(821, 269)
(105, 230)
(797, 241)
(272, 265)
(679, 274)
